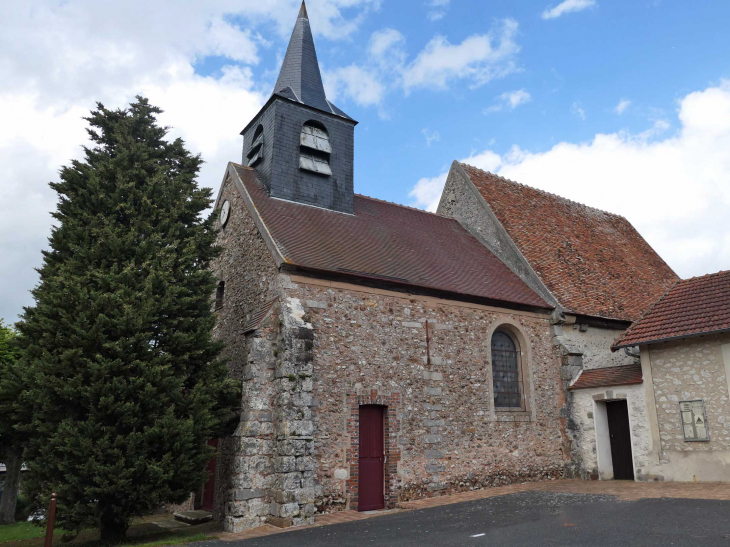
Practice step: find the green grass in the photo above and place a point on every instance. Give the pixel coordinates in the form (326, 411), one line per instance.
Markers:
(173, 541)
(20, 530)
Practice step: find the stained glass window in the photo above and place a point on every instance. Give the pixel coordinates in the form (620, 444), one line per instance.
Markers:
(506, 372)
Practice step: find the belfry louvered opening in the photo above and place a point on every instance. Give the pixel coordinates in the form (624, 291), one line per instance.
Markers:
(256, 151)
(315, 149)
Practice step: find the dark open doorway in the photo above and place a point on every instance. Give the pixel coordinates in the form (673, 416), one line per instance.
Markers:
(207, 502)
(372, 459)
(620, 433)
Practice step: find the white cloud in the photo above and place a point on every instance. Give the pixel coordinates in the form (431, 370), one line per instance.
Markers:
(430, 136)
(479, 59)
(509, 100)
(622, 105)
(567, 6)
(476, 60)
(58, 58)
(386, 47)
(366, 83)
(361, 84)
(437, 9)
(674, 189)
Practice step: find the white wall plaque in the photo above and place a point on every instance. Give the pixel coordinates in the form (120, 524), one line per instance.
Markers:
(694, 420)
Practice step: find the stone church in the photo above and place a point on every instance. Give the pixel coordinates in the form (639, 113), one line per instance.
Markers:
(387, 353)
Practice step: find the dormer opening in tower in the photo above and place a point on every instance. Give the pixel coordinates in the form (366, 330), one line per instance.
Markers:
(315, 149)
(256, 152)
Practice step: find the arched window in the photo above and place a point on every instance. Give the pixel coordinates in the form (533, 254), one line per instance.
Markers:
(256, 151)
(506, 372)
(315, 149)
(219, 294)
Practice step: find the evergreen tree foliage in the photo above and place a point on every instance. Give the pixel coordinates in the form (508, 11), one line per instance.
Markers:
(126, 381)
(12, 415)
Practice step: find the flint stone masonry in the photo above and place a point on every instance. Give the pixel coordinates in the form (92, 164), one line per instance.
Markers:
(320, 349)
(360, 344)
(580, 345)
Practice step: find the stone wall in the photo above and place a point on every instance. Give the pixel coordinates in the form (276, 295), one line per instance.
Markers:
(249, 274)
(685, 370)
(584, 401)
(372, 344)
(244, 463)
(594, 344)
(580, 345)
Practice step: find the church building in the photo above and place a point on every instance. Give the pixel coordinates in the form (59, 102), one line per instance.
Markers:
(385, 353)
(389, 354)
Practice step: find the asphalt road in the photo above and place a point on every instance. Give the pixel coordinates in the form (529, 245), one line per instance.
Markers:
(526, 519)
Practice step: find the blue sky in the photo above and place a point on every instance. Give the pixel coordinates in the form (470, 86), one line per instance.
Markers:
(649, 53)
(621, 105)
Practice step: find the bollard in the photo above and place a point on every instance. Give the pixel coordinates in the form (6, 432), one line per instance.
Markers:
(49, 521)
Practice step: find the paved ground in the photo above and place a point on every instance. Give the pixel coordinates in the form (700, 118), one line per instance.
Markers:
(565, 512)
(529, 518)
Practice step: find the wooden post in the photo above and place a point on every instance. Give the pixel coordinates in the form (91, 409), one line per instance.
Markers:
(49, 521)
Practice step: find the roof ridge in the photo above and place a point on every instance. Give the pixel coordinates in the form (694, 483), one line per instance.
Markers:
(404, 206)
(615, 346)
(370, 198)
(545, 192)
(704, 276)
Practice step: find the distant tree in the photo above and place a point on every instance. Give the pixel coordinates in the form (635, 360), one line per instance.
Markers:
(11, 417)
(126, 384)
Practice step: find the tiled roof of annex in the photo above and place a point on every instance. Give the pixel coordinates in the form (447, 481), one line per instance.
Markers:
(692, 307)
(609, 376)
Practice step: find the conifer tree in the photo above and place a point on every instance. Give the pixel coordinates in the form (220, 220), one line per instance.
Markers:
(126, 384)
(12, 415)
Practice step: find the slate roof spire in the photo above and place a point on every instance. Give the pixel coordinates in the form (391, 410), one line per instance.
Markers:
(300, 79)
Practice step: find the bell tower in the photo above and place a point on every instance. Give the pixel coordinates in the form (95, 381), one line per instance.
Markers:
(301, 145)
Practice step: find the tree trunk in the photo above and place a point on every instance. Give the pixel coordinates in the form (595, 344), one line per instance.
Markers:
(113, 529)
(13, 463)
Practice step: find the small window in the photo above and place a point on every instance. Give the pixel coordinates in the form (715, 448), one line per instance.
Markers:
(256, 151)
(315, 149)
(219, 294)
(506, 372)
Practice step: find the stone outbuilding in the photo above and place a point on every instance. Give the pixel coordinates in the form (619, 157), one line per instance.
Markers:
(685, 359)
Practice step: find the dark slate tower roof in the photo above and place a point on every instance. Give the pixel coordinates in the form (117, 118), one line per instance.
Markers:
(300, 79)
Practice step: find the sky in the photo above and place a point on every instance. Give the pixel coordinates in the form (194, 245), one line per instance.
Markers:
(621, 105)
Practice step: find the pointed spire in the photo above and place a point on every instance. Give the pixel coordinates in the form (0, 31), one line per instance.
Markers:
(300, 69)
(303, 12)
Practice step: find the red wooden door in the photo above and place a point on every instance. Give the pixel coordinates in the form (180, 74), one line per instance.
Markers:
(209, 487)
(372, 459)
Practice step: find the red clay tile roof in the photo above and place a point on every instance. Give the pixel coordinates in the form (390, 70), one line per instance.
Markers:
(609, 376)
(595, 263)
(258, 316)
(692, 307)
(388, 242)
